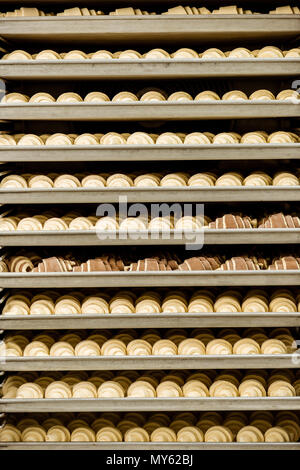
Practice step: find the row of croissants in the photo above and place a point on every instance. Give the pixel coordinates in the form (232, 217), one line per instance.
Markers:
(154, 301)
(208, 426)
(213, 53)
(130, 11)
(148, 180)
(149, 96)
(150, 342)
(144, 138)
(32, 262)
(151, 384)
(50, 220)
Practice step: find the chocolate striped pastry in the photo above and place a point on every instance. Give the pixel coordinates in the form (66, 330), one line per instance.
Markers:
(54, 264)
(232, 221)
(201, 263)
(242, 263)
(280, 221)
(285, 262)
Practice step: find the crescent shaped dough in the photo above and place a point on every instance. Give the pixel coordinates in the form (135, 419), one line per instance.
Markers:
(218, 434)
(197, 138)
(207, 95)
(246, 346)
(30, 391)
(111, 389)
(168, 138)
(254, 304)
(55, 224)
(47, 54)
(94, 305)
(9, 433)
(250, 434)
(227, 303)
(107, 223)
(119, 180)
(139, 347)
(83, 434)
(58, 433)
(6, 139)
(87, 348)
(195, 389)
(42, 307)
(121, 305)
(226, 138)
(124, 96)
(133, 224)
(163, 434)
(218, 346)
(285, 179)
(66, 181)
(37, 349)
(185, 53)
(147, 181)
(62, 349)
(262, 95)
(130, 54)
(273, 346)
(152, 96)
(180, 96)
(164, 347)
(230, 179)
(223, 388)
(40, 181)
(136, 435)
(29, 223)
(156, 54)
(191, 347)
(16, 307)
(280, 388)
(59, 139)
(13, 181)
(141, 389)
(240, 53)
(112, 138)
(253, 138)
(86, 139)
(42, 97)
(113, 347)
(102, 55)
(69, 97)
(15, 98)
(18, 55)
(67, 306)
(213, 53)
(109, 434)
(81, 223)
(276, 434)
(174, 180)
(234, 95)
(30, 139)
(190, 434)
(58, 390)
(259, 178)
(84, 390)
(168, 389)
(269, 52)
(140, 138)
(33, 434)
(285, 95)
(75, 55)
(252, 388)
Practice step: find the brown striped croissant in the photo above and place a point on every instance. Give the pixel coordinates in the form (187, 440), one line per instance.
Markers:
(244, 263)
(201, 263)
(285, 262)
(232, 221)
(280, 221)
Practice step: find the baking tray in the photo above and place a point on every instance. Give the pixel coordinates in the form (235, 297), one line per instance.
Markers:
(150, 279)
(141, 111)
(150, 446)
(119, 153)
(259, 361)
(147, 404)
(174, 237)
(149, 320)
(113, 195)
(145, 29)
(92, 69)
